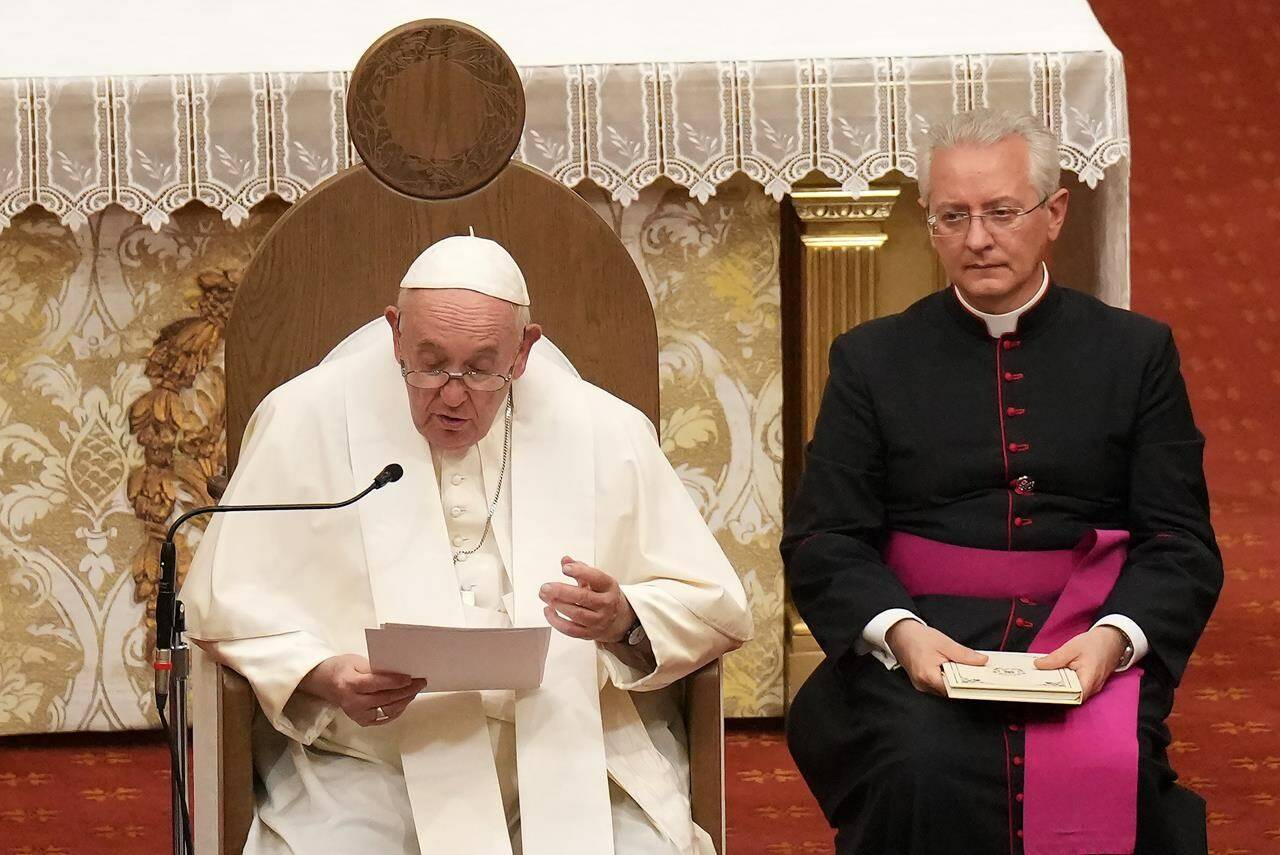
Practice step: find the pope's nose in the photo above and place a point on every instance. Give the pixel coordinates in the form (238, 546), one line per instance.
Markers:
(453, 393)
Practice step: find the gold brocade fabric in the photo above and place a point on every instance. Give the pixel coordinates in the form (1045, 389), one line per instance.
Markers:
(111, 416)
(92, 322)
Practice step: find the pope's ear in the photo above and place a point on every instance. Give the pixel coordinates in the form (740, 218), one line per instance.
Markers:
(532, 333)
(392, 314)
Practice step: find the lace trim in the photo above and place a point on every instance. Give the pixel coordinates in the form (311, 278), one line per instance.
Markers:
(152, 144)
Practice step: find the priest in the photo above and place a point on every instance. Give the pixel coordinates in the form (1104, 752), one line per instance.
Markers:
(529, 497)
(1008, 464)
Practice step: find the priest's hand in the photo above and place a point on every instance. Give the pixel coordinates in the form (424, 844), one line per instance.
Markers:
(921, 650)
(595, 608)
(1094, 656)
(367, 698)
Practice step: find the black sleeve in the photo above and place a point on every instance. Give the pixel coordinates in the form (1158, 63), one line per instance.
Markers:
(1173, 574)
(830, 545)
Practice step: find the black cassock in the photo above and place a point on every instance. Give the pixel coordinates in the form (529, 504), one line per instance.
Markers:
(1078, 420)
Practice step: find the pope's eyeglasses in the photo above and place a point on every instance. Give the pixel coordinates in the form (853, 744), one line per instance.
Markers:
(476, 381)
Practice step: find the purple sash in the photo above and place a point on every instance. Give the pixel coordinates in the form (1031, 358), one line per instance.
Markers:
(1081, 771)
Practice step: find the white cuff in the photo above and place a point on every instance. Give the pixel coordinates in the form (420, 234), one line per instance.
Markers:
(1136, 636)
(873, 641)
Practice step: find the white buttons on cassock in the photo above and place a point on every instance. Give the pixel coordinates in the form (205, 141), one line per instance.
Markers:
(458, 540)
(457, 479)
(456, 511)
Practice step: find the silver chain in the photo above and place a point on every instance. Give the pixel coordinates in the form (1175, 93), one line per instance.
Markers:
(461, 554)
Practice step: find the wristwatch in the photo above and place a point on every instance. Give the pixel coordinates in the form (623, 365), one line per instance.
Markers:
(1127, 654)
(635, 634)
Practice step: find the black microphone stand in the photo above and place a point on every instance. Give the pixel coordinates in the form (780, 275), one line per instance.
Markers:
(172, 661)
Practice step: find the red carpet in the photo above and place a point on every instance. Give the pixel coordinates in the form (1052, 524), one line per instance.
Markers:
(108, 794)
(770, 811)
(90, 794)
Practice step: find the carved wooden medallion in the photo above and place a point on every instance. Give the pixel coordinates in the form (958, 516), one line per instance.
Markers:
(435, 109)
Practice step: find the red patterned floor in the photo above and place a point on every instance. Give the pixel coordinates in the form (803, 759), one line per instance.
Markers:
(84, 794)
(770, 811)
(107, 794)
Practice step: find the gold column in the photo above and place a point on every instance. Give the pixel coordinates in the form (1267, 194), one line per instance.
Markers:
(836, 260)
(841, 238)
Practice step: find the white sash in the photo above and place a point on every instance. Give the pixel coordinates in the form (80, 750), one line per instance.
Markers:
(445, 748)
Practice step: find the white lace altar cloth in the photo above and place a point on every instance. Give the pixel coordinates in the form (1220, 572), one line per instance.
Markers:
(153, 143)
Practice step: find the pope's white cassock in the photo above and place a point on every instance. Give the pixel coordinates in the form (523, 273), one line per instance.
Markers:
(590, 763)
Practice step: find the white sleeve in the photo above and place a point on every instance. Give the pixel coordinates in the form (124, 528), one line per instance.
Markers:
(873, 636)
(1136, 636)
(274, 665)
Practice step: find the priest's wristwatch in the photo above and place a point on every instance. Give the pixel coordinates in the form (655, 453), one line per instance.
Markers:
(1126, 656)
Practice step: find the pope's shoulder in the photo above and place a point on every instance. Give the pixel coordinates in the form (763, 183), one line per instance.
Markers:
(612, 412)
(311, 393)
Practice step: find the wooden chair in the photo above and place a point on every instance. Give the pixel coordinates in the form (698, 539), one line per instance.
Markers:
(436, 110)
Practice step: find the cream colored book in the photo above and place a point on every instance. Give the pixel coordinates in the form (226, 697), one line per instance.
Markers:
(1011, 677)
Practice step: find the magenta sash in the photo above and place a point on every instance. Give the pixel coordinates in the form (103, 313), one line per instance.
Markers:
(1081, 769)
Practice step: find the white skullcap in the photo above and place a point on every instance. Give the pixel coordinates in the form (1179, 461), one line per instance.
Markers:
(471, 263)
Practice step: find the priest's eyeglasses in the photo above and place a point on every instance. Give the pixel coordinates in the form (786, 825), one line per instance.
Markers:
(476, 381)
(997, 221)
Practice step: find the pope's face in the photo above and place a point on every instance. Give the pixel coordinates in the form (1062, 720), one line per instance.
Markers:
(997, 270)
(456, 330)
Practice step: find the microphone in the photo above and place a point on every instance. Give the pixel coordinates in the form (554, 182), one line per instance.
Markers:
(389, 474)
(169, 616)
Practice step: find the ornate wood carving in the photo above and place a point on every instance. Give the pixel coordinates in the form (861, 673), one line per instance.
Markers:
(181, 449)
(435, 109)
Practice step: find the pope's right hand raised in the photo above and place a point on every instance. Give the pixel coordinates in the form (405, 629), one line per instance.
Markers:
(367, 698)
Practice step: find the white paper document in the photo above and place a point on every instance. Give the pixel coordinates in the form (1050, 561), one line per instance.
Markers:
(461, 659)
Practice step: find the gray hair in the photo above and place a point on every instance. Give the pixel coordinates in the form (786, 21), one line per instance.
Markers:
(523, 317)
(988, 127)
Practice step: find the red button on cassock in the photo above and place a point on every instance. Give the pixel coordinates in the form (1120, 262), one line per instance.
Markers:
(1019, 522)
(1017, 761)
(1010, 376)
(1011, 412)
(1011, 343)
(1022, 623)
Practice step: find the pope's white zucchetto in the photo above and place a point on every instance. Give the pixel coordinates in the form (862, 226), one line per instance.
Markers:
(471, 263)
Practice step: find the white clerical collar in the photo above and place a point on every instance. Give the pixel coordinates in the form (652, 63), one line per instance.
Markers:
(998, 325)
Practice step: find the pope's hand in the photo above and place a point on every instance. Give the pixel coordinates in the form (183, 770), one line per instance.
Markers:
(921, 650)
(346, 682)
(1093, 655)
(595, 608)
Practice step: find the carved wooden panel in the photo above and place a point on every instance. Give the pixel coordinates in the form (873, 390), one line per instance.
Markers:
(435, 109)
